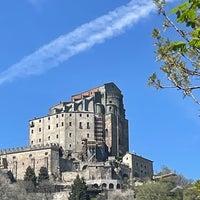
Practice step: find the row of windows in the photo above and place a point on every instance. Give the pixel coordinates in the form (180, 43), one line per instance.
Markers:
(57, 136)
(70, 145)
(141, 165)
(49, 137)
(70, 135)
(62, 124)
(63, 116)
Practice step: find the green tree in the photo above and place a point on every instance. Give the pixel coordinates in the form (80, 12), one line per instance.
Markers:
(11, 176)
(44, 185)
(170, 187)
(43, 174)
(30, 179)
(153, 191)
(79, 190)
(180, 57)
(189, 193)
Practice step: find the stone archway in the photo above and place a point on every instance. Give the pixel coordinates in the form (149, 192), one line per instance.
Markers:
(104, 186)
(111, 186)
(118, 186)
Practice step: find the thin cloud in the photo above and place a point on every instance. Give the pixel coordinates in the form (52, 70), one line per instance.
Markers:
(84, 37)
(36, 3)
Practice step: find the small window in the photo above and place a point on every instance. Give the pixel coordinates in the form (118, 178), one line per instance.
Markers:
(62, 115)
(80, 125)
(70, 114)
(48, 118)
(56, 125)
(46, 153)
(88, 115)
(32, 142)
(80, 115)
(49, 127)
(40, 129)
(57, 136)
(70, 134)
(88, 135)
(56, 116)
(40, 140)
(110, 101)
(88, 125)
(70, 145)
(39, 120)
(32, 131)
(48, 137)
(62, 123)
(14, 157)
(70, 123)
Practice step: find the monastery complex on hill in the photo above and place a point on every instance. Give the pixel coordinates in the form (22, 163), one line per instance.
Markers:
(87, 135)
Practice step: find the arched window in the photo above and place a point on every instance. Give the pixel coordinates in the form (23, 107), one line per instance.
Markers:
(118, 186)
(111, 186)
(104, 186)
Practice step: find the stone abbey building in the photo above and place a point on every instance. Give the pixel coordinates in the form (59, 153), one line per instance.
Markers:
(83, 135)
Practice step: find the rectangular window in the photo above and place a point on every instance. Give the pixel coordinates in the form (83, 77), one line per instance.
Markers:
(40, 129)
(70, 123)
(88, 125)
(62, 123)
(80, 125)
(56, 125)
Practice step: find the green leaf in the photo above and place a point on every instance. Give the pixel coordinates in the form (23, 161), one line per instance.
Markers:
(179, 46)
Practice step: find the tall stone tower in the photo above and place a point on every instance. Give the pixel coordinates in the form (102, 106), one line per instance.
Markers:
(93, 123)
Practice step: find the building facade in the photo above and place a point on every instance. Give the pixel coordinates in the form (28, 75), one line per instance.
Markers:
(140, 167)
(95, 118)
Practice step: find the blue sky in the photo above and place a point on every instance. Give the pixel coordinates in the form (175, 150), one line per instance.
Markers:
(51, 50)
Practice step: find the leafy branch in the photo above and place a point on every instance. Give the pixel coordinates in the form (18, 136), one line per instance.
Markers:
(180, 59)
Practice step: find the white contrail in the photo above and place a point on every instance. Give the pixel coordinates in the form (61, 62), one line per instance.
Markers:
(82, 38)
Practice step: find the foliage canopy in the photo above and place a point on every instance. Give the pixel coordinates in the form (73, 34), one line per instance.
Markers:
(180, 57)
(79, 190)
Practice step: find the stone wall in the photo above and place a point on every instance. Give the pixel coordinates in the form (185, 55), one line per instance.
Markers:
(17, 160)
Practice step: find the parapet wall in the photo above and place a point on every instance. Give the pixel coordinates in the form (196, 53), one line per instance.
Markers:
(52, 146)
